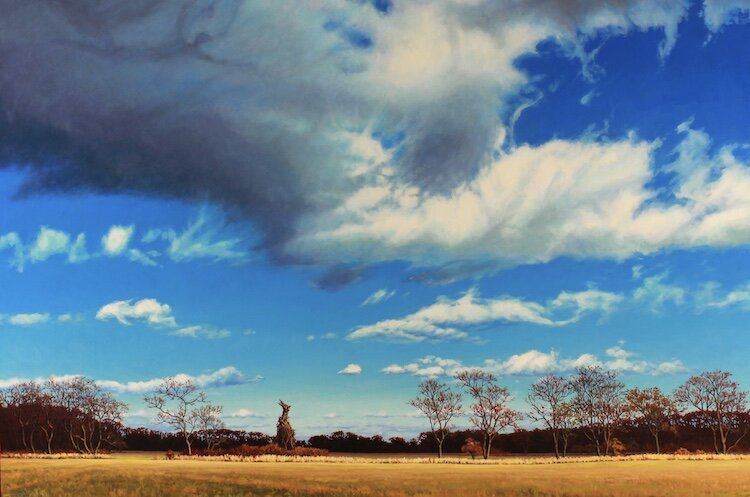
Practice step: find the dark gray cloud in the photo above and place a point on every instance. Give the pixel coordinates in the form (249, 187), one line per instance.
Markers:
(248, 104)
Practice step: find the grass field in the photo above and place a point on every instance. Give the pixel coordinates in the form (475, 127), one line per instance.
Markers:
(136, 475)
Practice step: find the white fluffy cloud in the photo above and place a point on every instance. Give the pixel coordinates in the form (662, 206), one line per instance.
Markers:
(445, 318)
(534, 362)
(717, 13)
(580, 199)
(150, 311)
(245, 413)
(157, 315)
(351, 369)
(117, 239)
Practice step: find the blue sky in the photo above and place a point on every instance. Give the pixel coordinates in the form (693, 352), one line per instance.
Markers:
(331, 206)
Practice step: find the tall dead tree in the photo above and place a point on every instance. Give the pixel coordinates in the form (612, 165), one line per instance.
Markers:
(549, 398)
(182, 406)
(721, 403)
(440, 405)
(284, 430)
(490, 411)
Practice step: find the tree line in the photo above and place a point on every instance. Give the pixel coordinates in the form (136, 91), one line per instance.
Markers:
(590, 411)
(594, 403)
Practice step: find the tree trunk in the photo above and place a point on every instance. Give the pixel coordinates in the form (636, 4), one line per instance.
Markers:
(557, 444)
(187, 443)
(656, 439)
(440, 449)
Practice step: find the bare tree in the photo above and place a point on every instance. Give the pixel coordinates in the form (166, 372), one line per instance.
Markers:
(720, 402)
(26, 397)
(440, 405)
(490, 411)
(548, 398)
(598, 405)
(209, 424)
(180, 405)
(652, 409)
(93, 415)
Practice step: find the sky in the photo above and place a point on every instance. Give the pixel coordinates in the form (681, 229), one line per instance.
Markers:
(327, 202)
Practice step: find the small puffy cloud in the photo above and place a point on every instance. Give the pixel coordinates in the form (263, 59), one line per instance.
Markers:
(245, 413)
(351, 369)
(117, 239)
(48, 243)
(444, 319)
(150, 311)
(379, 296)
(330, 415)
(28, 319)
(69, 318)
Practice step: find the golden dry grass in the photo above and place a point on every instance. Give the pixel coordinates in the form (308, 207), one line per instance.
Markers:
(143, 476)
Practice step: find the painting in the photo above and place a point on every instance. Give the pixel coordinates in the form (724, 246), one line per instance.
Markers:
(374, 247)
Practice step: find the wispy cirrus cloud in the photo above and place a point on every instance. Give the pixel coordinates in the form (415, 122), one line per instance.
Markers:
(379, 296)
(203, 238)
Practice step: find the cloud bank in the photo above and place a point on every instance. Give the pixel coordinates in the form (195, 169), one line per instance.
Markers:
(343, 132)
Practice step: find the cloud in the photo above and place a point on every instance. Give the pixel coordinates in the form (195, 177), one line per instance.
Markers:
(330, 415)
(48, 243)
(157, 315)
(245, 413)
(147, 259)
(535, 362)
(13, 241)
(379, 296)
(28, 319)
(718, 13)
(266, 129)
(709, 297)
(351, 369)
(224, 377)
(202, 238)
(655, 293)
(197, 331)
(443, 319)
(116, 240)
(150, 311)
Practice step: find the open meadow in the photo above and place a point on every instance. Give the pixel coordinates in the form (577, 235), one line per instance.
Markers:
(142, 475)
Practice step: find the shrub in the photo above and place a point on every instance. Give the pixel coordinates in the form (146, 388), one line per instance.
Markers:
(618, 448)
(682, 451)
(245, 450)
(169, 455)
(472, 448)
